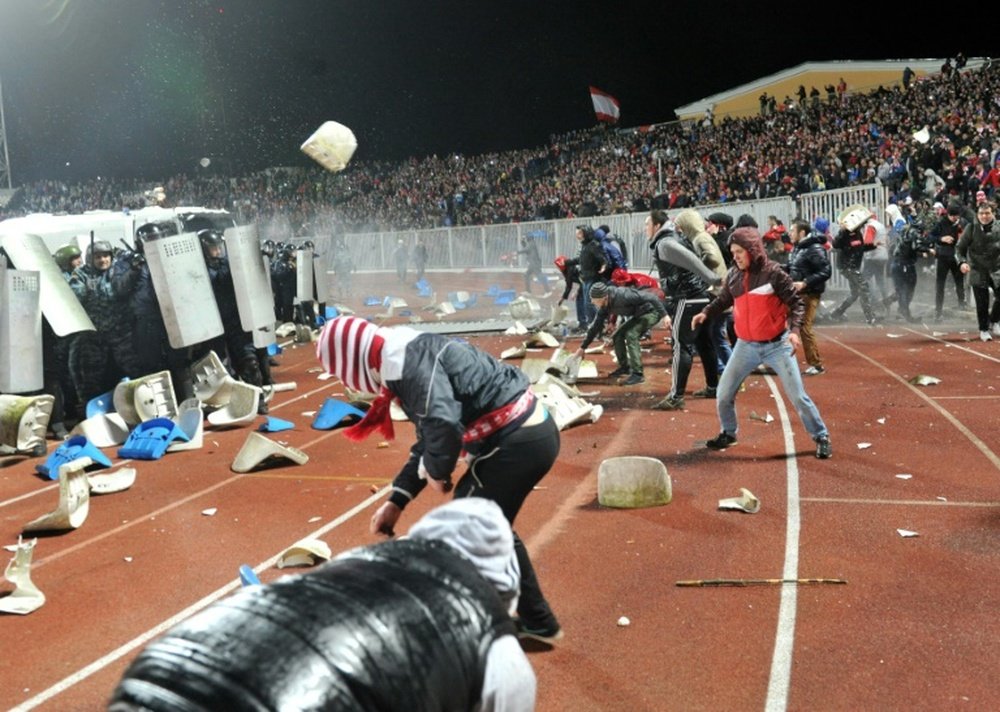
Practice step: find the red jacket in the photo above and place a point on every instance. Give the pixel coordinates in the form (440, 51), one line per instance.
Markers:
(763, 299)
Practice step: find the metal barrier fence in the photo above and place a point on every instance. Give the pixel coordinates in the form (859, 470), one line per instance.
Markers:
(495, 246)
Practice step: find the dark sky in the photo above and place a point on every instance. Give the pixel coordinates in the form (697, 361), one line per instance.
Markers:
(147, 88)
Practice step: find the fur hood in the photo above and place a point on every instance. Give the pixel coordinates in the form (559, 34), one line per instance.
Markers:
(689, 222)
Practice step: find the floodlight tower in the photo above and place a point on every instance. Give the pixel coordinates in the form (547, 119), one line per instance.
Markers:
(4, 156)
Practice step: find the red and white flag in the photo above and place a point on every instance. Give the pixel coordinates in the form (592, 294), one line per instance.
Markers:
(605, 106)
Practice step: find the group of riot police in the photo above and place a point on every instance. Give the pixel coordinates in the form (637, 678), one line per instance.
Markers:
(130, 339)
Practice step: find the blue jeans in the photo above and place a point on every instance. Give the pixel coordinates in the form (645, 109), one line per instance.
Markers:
(780, 356)
(718, 329)
(589, 310)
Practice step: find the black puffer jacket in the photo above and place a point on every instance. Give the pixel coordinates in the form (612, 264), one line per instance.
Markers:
(593, 264)
(809, 263)
(852, 248)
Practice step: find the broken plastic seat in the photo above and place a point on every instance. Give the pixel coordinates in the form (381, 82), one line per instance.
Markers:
(248, 577)
(504, 296)
(150, 439)
(74, 448)
(331, 312)
(372, 301)
(191, 420)
(24, 420)
(103, 429)
(633, 481)
(74, 500)
(493, 290)
(244, 400)
(103, 403)
(211, 380)
(275, 425)
(334, 413)
(423, 288)
(257, 448)
(273, 349)
(146, 398)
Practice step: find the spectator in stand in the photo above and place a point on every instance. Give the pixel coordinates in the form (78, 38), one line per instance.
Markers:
(809, 267)
(768, 312)
(979, 257)
(944, 236)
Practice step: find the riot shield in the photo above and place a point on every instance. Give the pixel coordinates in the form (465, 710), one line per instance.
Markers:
(184, 289)
(60, 306)
(250, 279)
(321, 269)
(304, 275)
(20, 332)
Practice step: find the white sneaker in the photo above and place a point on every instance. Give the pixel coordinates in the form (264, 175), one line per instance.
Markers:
(995, 328)
(985, 336)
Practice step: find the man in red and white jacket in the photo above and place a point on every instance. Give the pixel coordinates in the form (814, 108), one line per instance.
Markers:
(767, 315)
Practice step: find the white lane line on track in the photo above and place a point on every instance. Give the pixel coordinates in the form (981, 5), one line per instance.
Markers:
(784, 637)
(143, 638)
(970, 436)
(898, 502)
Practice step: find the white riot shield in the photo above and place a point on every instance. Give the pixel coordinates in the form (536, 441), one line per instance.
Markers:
(20, 332)
(322, 275)
(262, 338)
(60, 306)
(183, 288)
(250, 279)
(304, 275)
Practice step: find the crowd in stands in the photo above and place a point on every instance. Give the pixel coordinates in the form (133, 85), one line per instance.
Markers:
(854, 139)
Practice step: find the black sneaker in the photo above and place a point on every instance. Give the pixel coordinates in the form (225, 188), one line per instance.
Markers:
(721, 441)
(670, 403)
(620, 371)
(705, 392)
(549, 636)
(634, 380)
(823, 449)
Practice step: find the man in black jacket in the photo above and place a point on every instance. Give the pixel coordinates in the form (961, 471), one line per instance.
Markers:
(593, 267)
(945, 234)
(686, 293)
(809, 267)
(641, 310)
(465, 405)
(856, 237)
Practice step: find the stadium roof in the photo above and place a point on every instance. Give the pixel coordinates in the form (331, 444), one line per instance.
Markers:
(860, 75)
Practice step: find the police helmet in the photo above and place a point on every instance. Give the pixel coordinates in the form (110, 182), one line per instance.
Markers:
(267, 248)
(308, 245)
(98, 247)
(65, 255)
(211, 239)
(154, 231)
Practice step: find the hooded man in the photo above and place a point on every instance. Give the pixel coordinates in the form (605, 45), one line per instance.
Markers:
(767, 315)
(430, 612)
(465, 405)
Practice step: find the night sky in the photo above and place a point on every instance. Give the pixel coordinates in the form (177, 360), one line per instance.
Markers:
(144, 88)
